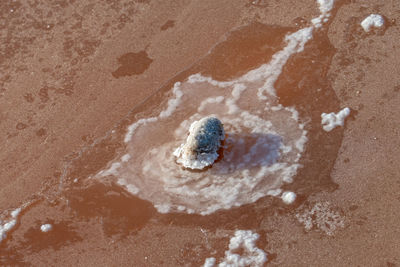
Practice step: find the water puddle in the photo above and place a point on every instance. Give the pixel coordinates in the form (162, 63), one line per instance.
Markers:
(268, 85)
(132, 64)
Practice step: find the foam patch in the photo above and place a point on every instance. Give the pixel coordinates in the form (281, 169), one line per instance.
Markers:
(242, 252)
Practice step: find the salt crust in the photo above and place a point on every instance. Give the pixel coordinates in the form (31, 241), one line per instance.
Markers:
(331, 120)
(112, 170)
(288, 197)
(172, 104)
(125, 157)
(129, 187)
(210, 262)
(46, 227)
(325, 6)
(6, 226)
(321, 217)
(245, 242)
(373, 20)
(115, 166)
(202, 161)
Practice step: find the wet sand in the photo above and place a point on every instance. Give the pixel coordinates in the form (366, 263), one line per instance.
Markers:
(68, 93)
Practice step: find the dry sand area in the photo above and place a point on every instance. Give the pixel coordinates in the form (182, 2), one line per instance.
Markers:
(75, 74)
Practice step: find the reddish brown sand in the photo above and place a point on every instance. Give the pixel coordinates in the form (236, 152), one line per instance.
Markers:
(67, 80)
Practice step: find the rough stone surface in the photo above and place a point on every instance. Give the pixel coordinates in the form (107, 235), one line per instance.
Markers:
(202, 144)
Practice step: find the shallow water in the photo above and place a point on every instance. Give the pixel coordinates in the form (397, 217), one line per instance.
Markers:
(262, 149)
(269, 94)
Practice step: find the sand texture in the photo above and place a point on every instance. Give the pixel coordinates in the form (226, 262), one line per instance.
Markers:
(75, 74)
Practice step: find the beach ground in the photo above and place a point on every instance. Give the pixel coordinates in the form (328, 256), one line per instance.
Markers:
(64, 83)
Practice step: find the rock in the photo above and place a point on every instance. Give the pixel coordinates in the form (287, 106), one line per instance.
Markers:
(202, 145)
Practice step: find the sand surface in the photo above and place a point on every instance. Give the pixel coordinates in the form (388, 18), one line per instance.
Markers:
(68, 90)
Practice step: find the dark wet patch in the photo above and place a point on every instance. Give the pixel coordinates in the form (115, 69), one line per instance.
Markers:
(132, 64)
(167, 25)
(120, 212)
(61, 234)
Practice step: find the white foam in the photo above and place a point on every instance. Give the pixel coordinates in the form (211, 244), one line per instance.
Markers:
(241, 176)
(210, 100)
(46, 227)
(132, 189)
(112, 170)
(301, 142)
(15, 213)
(325, 7)
(129, 187)
(288, 197)
(163, 208)
(322, 217)
(6, 226)
(331, 120)
(172, 104)
(132, 127)
(245, 242)
(125, 158)
(274, 192)
(210, 262)
(373, 20)
(231, 101)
